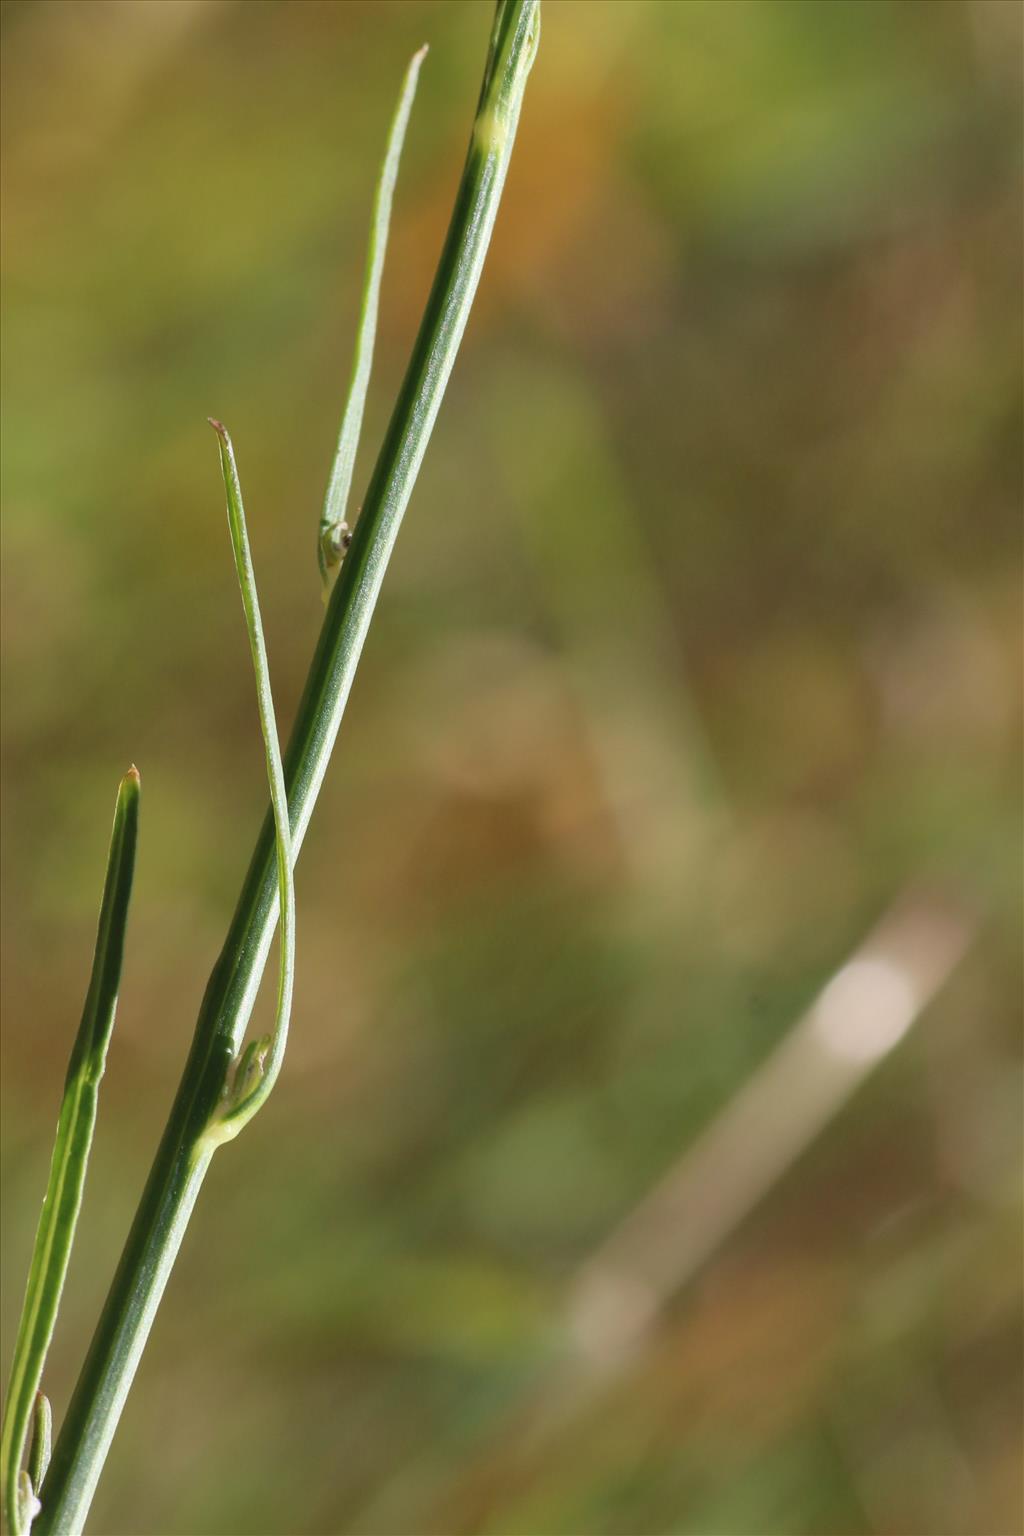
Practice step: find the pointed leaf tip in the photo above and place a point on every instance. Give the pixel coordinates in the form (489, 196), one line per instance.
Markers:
(219, 427)
(130, 787)
(40, 1443)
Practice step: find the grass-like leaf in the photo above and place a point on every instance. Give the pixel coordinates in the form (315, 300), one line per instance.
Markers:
(333, 531)
(56, 1230)
(258, 1065)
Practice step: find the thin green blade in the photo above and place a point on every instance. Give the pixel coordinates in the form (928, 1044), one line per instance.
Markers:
(75, 1125)
(259, 1064)
(331, 541)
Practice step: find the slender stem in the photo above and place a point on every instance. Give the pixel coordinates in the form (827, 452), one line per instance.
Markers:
(183, 1157)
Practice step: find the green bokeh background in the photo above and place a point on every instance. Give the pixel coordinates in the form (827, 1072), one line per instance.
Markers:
(700, 647)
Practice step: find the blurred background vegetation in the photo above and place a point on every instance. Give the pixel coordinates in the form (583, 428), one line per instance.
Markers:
(699, 651)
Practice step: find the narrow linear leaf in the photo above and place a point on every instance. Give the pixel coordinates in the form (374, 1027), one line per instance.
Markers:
(260, 1062)
(333, 530)
(75, 1126)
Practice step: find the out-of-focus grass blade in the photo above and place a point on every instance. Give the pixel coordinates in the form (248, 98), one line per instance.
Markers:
(331, 540)
(260, 1062)
(75, 1126)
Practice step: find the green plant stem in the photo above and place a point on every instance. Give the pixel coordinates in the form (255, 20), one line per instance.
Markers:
(183, 1155)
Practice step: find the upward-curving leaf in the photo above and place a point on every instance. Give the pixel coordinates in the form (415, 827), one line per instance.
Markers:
(63, 1199)
(333, 531)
